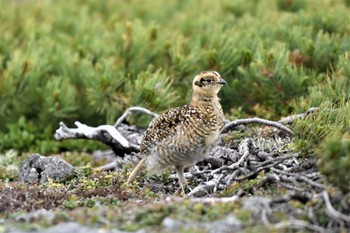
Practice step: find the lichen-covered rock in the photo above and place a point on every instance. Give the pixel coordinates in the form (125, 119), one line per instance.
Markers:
(38, 169)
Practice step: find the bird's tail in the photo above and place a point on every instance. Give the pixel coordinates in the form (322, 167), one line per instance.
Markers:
(141, 166)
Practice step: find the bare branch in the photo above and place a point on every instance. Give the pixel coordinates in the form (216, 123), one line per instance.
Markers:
(291, 187)
(270, 163)
(331, 211)
(244, 150)
(290, 119)
(310, 182)
(131, 110)
(106, 134)
(301, 225)
(208, 187)
(299, 177)
(207, 200)
(270, 178)
(233, 124)
(109, 166)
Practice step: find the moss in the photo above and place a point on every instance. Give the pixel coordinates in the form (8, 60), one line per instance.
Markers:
(152, 216)
(244, 216)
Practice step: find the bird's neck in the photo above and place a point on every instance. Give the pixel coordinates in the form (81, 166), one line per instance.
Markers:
(199, 99)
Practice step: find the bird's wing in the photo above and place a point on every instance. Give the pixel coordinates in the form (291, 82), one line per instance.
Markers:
(165, 125)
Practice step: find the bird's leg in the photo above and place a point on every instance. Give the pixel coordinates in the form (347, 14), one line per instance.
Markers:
(140, 166)
(182, 180)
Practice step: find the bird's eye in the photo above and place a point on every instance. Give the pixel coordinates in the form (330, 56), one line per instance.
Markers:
(209, 80)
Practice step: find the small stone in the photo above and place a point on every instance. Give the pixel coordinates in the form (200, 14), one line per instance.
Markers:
(172, 225)
(39, 169)
(226, 225)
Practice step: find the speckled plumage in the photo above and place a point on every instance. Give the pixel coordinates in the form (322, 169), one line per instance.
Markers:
(182, 136)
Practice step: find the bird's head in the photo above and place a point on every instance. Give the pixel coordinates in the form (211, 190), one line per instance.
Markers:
(208, 83)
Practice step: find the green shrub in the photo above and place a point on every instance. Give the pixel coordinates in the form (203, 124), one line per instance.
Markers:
(334, 162)
(90, 60)
(311, 131)
(9, 165)
(291, 5)
(332, 95)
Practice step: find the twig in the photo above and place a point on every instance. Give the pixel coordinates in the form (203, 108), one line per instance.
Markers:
(331, 211)
(291, 187)
(261, 168)
(134, 109)
(187, 175)
(270, 178)
(109, 166)
(233, 124)
(310, 182)
(221, 177)
(299, 177)
(214, 183)
(205, 188)
(282, 158)
(244, 150)
(290, 119)
(208, 200)
(311, 215)
(301, 225)
(298, 196)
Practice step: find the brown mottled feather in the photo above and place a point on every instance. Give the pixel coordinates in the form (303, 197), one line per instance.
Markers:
(182, 136)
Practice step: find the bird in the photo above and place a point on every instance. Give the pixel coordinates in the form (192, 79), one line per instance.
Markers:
(182, 136)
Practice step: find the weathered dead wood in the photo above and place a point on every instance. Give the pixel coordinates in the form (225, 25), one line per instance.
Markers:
(130, 110)
(242, 161)
(206, 200)
(243, 150)
(106, 134)
(265, 165)
(237, 122)
(291, 119)
(332, 212)
(300, 225)
(111, 136)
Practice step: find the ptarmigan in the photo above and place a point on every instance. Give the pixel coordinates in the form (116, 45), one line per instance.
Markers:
(182, 136)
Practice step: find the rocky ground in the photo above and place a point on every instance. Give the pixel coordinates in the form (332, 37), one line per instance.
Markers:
(253, 181)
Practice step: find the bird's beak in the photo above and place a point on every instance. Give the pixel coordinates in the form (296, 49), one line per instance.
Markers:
(222, 82)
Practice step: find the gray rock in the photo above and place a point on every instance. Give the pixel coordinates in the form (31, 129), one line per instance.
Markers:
(172, 225)
(226, 225)
(37, 168)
